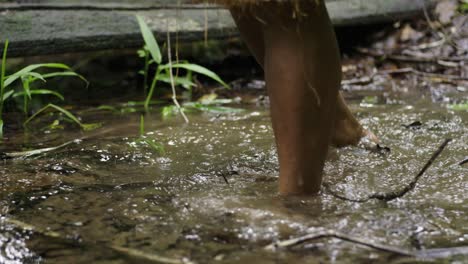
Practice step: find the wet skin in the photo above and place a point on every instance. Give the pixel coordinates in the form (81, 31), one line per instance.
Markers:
(300, 57)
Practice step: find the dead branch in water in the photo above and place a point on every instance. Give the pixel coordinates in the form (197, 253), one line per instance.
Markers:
(404, 58)
(445, 78)
(388, 196)
(428, 254)
(334, 234)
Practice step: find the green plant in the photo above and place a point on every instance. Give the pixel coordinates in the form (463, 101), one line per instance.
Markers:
(28, 77)
(164, 72)
(207, 103)
(155, 146)
(459, 107)
(463, 7)
(2, 86)
(69, 115)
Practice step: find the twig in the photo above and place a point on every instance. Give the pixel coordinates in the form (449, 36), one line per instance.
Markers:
(434, 76)
(395, 194)
(174, 92)
(463, 162)
(334, 234)
(421, 254)
(443, 77)
(404, 58)
(429, 45)
(35, 152)
(149, 257)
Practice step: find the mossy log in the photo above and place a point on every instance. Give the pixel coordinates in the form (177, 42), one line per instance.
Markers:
(37, 27)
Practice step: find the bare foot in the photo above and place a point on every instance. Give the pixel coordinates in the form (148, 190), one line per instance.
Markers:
(348, 131)
(369, 140)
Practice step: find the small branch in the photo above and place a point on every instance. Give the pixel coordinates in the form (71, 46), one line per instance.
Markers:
(434, 76)
(149, 257)
(404, 58)
(338, 235)
(429, 45)
(389, 196)
(463, 162)
(35, 152)
(428, 254)
(174, 92)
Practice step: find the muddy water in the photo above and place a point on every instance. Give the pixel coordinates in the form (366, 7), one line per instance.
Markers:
(212, 196)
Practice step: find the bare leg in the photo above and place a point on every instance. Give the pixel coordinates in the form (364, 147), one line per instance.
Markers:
(347, 130)
(303, 74)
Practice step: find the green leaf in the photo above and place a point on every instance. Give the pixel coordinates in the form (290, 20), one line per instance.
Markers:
(158, 147)
(207, 98)
(168, 111)
(214, 109)
(1, 128)
(41, 92)
(68, 114)
(370, 100)
(33, 76)
(25, 71)
(56, 125)
(108, 108)
(2, 82)
(8, 94)
(141, 53)
(64, 74)
(150, 40)
(198, 69)
(183, 81)
(459, 107)
(139, 103)
(26, 87)
(463, 7)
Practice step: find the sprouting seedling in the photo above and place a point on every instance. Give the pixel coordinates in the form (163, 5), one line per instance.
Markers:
(153, 144)
(164, 71)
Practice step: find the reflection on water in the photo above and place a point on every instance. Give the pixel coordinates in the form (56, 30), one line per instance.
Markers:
(13, 248)
(212, 197)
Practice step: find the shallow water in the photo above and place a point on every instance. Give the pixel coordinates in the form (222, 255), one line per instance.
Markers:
(212, 197)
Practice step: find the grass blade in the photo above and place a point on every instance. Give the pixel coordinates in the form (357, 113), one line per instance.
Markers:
(41, 92)
(150, 40)
(142, 125)
(64, 74)
(183, 81)
(34, 76)
(25, 71)
(8, 94)
(68, 114)
(198, 69)
(26, 87)
(2, 84)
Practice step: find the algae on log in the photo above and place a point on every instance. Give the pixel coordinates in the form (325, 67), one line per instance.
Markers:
(48, 26)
